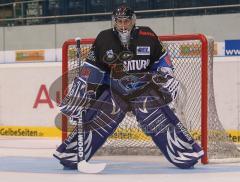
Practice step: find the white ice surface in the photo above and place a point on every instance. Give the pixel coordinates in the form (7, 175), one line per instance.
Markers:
(30, 160)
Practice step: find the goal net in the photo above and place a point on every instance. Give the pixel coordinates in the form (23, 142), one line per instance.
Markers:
(192, 57)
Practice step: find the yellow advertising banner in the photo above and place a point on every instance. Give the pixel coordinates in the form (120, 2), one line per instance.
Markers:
(30, 131)
(190, 50)
(120, 134)
(72, 52)
(30, 55)
(194, 50)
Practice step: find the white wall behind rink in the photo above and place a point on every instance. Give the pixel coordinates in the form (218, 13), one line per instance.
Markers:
(20, 84)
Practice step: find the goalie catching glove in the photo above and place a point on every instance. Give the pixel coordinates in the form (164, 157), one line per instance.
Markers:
(166, 82)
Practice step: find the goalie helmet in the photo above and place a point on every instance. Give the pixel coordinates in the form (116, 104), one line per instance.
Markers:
(123, 21)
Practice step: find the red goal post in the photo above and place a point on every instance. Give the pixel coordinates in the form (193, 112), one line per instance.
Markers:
(185, 51)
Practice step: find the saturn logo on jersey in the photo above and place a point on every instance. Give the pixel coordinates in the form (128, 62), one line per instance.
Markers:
(133, 65)
(125, 55)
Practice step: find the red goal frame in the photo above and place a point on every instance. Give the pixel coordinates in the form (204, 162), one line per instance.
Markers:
(204, 81)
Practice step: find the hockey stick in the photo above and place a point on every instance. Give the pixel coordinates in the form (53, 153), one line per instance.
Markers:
(82, 164)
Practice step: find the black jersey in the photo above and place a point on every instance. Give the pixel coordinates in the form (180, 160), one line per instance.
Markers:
(126, 65)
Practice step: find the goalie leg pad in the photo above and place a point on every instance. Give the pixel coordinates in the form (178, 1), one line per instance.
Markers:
(76, 99)
(79, 94)
(98, 126)
(170, 136)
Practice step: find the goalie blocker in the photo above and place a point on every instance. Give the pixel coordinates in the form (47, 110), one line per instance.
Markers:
(160, 123)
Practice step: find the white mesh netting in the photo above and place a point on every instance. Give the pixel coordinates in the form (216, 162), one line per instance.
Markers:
(187, 59)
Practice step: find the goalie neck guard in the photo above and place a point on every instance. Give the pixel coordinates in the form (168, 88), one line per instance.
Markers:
(123, 21)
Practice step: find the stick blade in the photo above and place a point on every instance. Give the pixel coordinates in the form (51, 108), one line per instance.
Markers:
(86, 167)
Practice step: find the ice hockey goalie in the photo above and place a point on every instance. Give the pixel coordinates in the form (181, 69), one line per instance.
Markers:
(127, 69)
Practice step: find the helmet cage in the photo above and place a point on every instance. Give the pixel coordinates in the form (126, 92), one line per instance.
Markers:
(123, 21)
(123, 24)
